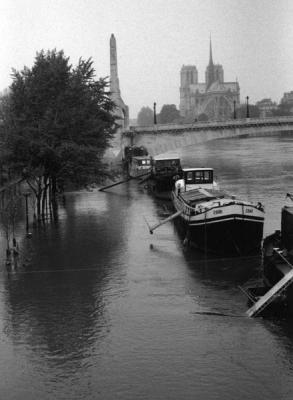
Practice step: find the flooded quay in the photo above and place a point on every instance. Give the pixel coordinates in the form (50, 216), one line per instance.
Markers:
(104, 310)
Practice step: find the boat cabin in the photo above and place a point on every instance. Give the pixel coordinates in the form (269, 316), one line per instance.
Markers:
(194, 178)
(134, 151)
(197, 176)
(139, 165)
(166, 166)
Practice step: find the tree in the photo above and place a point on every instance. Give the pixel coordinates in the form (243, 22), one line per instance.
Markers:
(4, 152)
(241, 111)
(284, 109)
(145, 117)
(60, 123)
(168, 114)
(202, 118)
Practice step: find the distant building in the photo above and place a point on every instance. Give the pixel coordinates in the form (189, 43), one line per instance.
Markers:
(212, 100)
(266, 106)
(132, 122)
(287, 98)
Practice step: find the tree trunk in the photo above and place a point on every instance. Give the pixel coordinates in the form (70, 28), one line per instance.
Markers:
(44, 196)
(54, 198)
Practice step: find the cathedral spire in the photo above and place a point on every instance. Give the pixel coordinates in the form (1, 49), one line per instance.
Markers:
(210, 71)
(211, 52)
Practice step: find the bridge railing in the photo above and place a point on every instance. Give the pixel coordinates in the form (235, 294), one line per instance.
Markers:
(207, 125)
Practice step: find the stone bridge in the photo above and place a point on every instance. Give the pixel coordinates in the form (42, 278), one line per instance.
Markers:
(164, 138)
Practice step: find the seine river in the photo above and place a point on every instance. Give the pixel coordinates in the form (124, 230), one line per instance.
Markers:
(104, 310)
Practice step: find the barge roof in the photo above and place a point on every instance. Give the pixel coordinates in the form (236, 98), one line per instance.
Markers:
(195, 196)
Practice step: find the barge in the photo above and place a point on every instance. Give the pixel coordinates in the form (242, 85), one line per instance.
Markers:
(275, 294)
(165, 171)
(213, 220)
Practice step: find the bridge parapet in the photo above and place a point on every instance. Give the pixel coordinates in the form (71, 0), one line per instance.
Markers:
(159, 139)
(203, 126)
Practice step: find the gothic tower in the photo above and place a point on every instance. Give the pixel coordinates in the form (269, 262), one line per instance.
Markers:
(211, 100)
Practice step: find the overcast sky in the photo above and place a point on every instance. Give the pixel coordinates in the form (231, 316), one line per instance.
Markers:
(252, 39)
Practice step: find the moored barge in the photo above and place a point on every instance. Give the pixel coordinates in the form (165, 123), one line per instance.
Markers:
(166, 169)
(274, 296)
(213, 220)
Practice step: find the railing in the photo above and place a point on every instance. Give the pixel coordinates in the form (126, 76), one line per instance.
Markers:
(230, 124)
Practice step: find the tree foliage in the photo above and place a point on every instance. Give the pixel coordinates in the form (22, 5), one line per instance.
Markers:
(61, 118)
(145, 117)
(60, 121)
(241, 111)
(168, 114)
(284, 109)
(202, 117)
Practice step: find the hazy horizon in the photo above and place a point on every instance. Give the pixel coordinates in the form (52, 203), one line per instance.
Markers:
(251, 39)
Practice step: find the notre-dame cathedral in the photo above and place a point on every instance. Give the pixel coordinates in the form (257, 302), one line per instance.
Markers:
(213, 100)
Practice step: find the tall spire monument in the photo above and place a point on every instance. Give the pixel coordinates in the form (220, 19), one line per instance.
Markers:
(114, 82)
(121, 112)
(122, 109)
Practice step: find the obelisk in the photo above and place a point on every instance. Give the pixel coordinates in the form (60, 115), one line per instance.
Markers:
(114, 80)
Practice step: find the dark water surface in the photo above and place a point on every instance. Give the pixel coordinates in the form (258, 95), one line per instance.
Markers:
(104, 310)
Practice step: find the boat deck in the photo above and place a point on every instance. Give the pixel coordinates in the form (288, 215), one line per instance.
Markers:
(195, 196)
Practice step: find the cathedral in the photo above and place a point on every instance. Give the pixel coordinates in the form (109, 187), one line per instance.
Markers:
(213, 100)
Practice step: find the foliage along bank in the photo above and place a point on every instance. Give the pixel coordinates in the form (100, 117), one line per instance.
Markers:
(57, 122)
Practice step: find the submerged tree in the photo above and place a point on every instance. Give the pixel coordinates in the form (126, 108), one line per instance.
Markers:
(61, 121)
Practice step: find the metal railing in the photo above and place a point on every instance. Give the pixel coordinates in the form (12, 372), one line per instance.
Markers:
(207, 125)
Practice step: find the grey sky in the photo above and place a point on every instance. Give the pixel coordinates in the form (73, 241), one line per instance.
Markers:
(252, 39)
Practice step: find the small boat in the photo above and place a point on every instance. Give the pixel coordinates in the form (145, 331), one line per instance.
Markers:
(275, 293)
(166, 170)
(213, 220)
(139, 166)
(136, 161)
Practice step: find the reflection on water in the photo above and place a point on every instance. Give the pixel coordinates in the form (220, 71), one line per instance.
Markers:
(103, 309)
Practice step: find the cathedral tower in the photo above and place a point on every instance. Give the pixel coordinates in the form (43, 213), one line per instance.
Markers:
(211, 100)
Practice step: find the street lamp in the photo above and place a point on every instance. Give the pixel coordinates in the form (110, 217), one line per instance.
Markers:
(26, 195)
(155, 115)
(247, 107)
(234, 104)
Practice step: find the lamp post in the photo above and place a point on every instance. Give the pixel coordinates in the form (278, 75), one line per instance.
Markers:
(26, 195)
(247, 107)
(234, 105)
(155, 115)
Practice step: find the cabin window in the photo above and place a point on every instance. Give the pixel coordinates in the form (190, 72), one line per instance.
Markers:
(207, 176)
(189, 177)
(200, 176)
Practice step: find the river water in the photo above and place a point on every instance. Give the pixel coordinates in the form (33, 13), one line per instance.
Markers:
(101, 309)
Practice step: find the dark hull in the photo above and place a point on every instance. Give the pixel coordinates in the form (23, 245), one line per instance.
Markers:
(232, 237)
(161, 188)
